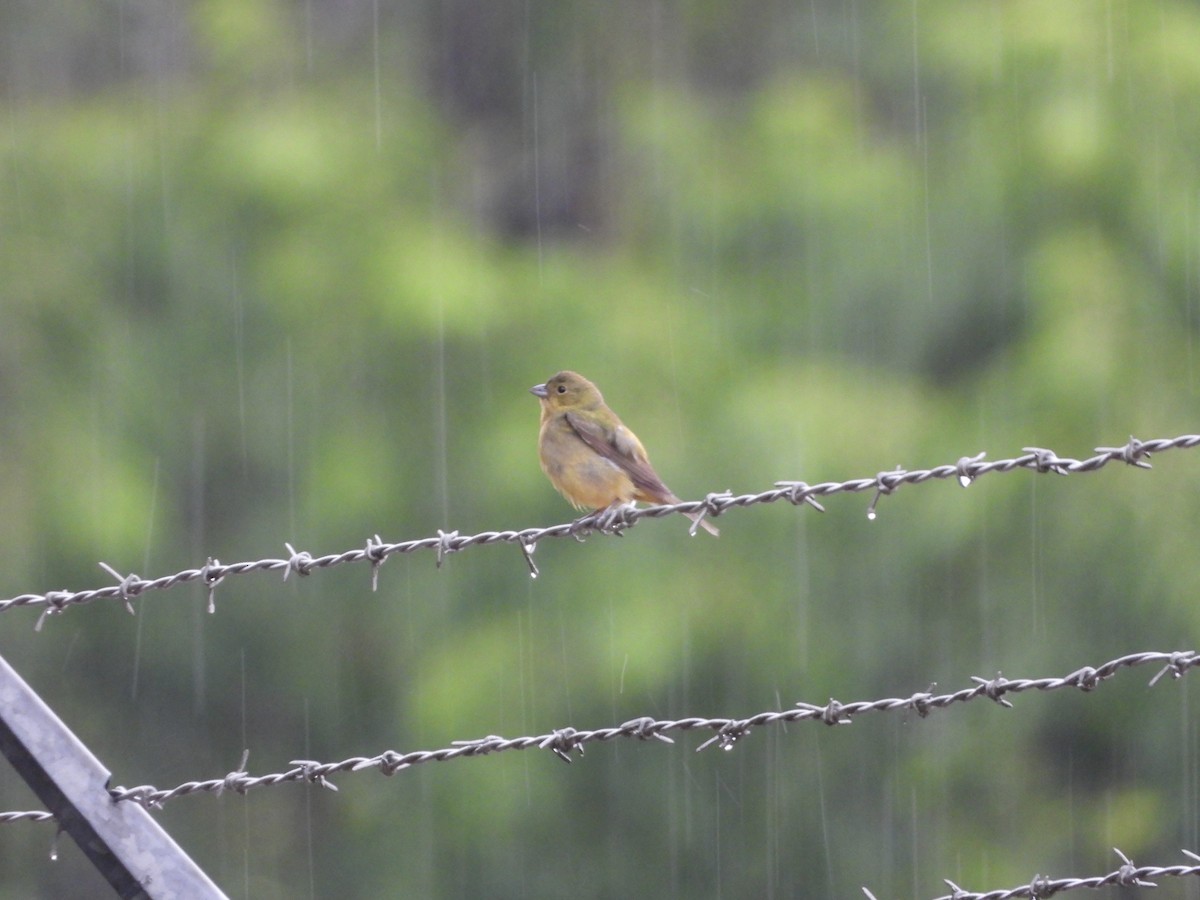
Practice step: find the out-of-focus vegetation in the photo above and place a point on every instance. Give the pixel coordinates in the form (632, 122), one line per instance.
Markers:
(283, 272)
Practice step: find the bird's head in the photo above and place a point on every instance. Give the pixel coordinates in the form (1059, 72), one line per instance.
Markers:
(567, 391)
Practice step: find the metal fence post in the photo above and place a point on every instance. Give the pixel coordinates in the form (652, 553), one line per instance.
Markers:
(131, 850)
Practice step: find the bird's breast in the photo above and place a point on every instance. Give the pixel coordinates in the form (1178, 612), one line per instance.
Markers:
(584, 477)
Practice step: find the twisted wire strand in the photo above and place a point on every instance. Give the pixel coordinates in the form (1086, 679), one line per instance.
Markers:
(566, 741)
(563, 742)
(376, 551)
(32, 815)
(1128, 875)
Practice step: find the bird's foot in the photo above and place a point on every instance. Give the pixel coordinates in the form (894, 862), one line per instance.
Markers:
(612, 519)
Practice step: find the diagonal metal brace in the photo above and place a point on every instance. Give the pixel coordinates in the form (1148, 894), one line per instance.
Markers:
(131, 850)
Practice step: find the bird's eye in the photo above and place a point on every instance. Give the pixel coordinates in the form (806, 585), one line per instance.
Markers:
(562, 388)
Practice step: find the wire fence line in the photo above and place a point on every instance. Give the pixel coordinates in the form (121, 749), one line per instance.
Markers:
(31, 815)
(1128, 875)
(566, 741)
(376, 551)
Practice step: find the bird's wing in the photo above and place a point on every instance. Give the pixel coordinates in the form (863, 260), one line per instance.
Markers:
(626, 451)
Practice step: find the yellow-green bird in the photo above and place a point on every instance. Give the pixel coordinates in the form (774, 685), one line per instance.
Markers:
(589, 455)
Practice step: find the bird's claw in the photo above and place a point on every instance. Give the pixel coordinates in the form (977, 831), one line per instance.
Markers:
(613, 519)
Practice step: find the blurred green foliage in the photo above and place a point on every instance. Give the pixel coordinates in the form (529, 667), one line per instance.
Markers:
(278, 272)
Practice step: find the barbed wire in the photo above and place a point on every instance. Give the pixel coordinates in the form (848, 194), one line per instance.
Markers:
(376, 551)
(1128, 875)
(563, 742)
(32, 815)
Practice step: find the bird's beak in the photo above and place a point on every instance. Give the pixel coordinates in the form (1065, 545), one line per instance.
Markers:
(539, 390)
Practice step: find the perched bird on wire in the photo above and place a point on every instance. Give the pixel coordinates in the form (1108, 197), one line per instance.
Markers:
(589, 455)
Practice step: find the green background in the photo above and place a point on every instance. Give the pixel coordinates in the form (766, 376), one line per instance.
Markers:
(284, 272)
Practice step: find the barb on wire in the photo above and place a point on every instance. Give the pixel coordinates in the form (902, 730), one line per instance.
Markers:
(564, 742)
(1128, 875)
(965, 470)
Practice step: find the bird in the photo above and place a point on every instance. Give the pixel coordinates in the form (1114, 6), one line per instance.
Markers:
(590, 456)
